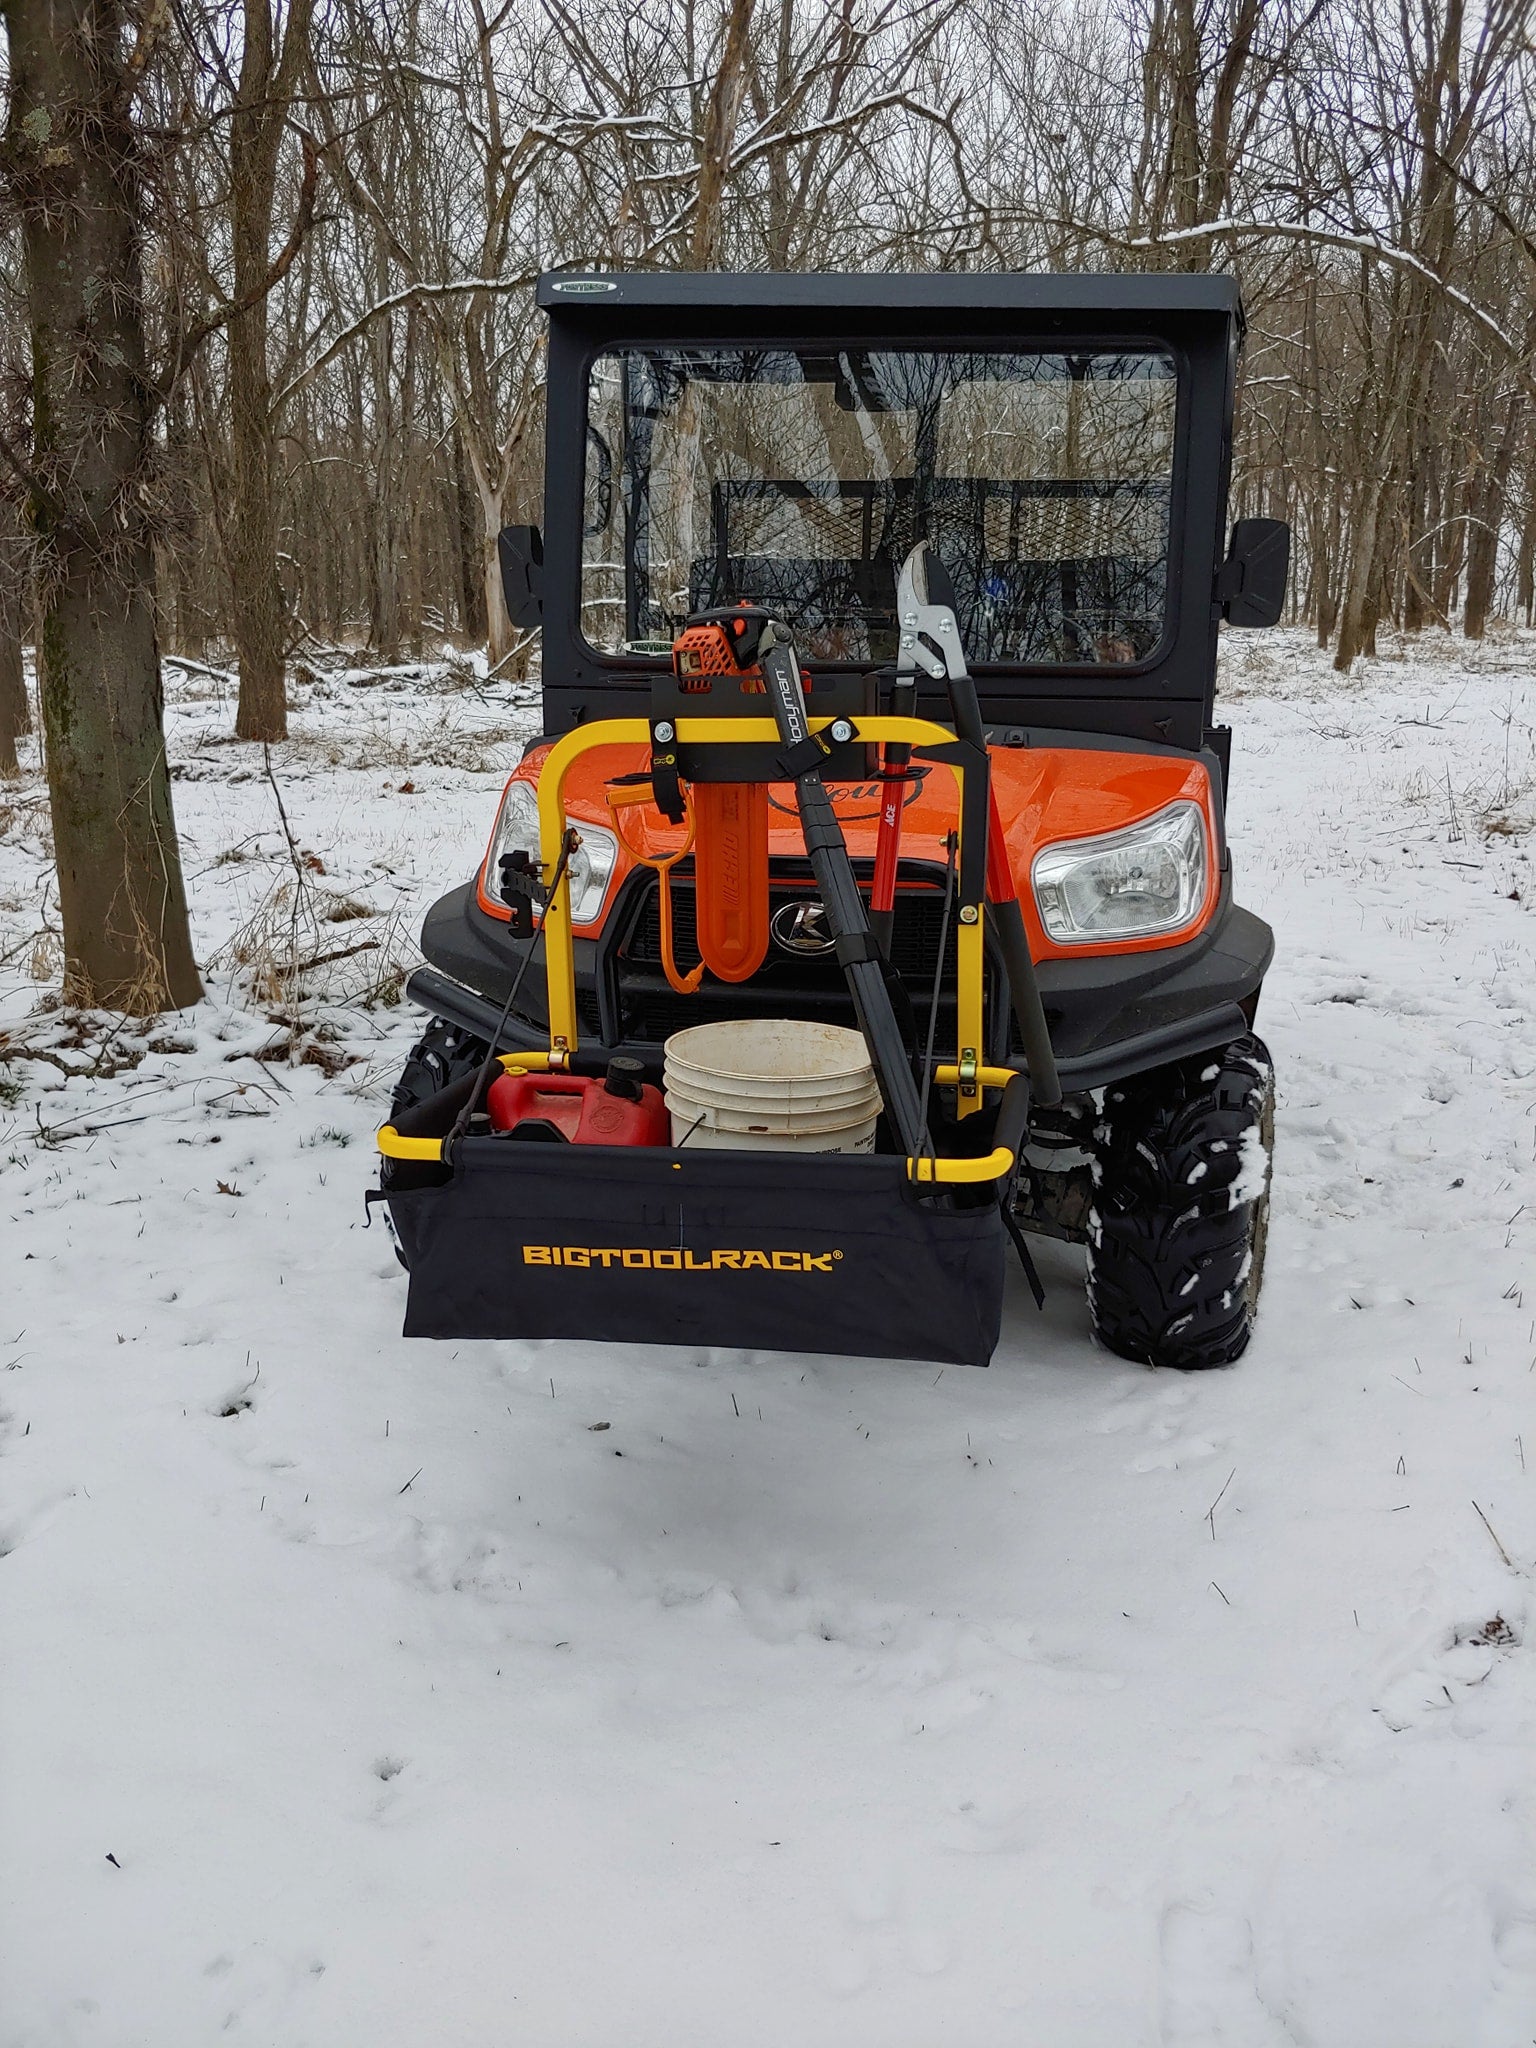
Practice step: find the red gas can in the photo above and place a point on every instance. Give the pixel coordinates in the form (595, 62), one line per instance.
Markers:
(619, 1108)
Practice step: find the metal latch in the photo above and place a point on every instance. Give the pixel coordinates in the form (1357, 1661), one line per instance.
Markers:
(967, 1070)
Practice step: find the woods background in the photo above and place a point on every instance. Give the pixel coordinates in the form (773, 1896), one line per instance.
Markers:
(339, 207)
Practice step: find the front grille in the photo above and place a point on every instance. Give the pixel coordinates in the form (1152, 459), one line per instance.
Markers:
(914, 940)
(786, 985)
(651, 1015)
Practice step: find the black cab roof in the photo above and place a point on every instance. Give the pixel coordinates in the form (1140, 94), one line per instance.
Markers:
(1137, 293)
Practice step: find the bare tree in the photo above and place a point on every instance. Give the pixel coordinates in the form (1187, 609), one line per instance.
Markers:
(71, 163)
(15, 589)
(349, 421)
(271, 64)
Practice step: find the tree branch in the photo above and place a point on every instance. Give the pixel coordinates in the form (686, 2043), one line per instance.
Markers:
(1330, 238)
(189, 342)
(407, 295)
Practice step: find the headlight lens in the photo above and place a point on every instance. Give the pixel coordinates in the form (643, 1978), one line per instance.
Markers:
(590, 868)
(1134, 884)
(591, 865)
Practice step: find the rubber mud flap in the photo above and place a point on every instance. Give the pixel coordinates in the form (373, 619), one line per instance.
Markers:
(819, 1252)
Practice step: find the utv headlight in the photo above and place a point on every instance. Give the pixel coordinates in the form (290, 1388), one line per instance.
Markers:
(1134, 884)
(591, 865)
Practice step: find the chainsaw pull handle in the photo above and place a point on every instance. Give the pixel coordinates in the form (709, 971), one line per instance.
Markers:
(622, 796)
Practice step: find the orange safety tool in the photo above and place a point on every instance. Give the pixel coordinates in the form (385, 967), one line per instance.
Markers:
(730, 821)
(620, 796)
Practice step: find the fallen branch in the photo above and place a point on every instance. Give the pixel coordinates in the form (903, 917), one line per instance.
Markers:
(341, 953)
(101, 1068)
(200, 668)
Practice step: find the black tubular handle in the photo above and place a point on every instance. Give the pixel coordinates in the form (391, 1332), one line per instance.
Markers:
(1018, 964)
(1007, 918)
(1013, 1115)
(840, 893)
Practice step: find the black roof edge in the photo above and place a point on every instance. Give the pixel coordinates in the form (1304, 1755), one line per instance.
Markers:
(1123, 292)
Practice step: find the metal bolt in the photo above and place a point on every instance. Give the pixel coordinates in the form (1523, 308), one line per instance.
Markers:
(842, 731)
(969, 913)
(664, 730)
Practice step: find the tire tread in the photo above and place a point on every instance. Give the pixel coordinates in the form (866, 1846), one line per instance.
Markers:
(443, 1054)
(1174, 1262)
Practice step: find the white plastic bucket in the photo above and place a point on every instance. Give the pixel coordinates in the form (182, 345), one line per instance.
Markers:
(771, 1084)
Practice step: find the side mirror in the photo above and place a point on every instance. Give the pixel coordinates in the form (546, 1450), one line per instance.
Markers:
(521, 552)
(1250, 585)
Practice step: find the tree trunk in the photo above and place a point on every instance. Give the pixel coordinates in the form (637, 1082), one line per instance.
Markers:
(1417, 497)
(1375, 591)
(15, 710)
(1356, 626)
(1453, 542)
(1184, 138)
(181, 623)
(1486, 521)
(410, 538)
(1323, 545)
(466, 537)
(383, 579)
(1484, 506)
(1333, 589)
(499, 635)
(414, 607)
(491, 491)
(72, 150)
(705, 242)
(255, 130)
(1525, 560)
(384, 508)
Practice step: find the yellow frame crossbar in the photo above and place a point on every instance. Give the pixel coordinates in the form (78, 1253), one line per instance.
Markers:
(395, 1145)
(560, 954)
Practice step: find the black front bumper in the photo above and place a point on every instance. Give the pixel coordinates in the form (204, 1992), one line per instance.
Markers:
(1110, 1015)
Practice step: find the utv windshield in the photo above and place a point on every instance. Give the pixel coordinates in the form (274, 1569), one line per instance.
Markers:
(800, 481)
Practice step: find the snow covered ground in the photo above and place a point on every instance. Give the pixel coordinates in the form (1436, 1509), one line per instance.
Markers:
(369, 1692)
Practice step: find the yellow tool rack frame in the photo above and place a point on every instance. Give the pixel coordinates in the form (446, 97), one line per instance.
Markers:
(967, 1075)
(463, 1210)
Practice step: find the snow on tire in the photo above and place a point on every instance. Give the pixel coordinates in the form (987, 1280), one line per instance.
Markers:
(1181, 1206)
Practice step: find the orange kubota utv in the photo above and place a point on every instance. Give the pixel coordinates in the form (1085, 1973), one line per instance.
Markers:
(995, 508)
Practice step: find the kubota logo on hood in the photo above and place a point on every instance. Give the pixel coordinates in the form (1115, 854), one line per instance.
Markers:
(802, 927)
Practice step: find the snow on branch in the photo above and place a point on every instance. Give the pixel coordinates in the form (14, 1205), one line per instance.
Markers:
(763, 142)
(407, 295)
(837, 124)
(1332, 238)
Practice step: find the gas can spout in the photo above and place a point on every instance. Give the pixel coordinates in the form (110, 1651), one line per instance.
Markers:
(625, 1078)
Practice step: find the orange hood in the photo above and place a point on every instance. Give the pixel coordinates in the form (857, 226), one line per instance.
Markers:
(1044, 795)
